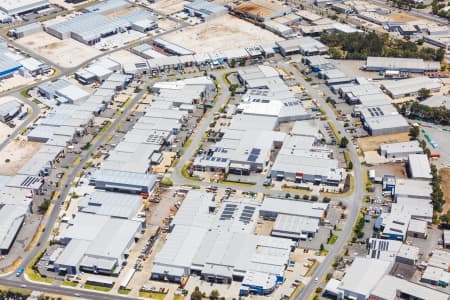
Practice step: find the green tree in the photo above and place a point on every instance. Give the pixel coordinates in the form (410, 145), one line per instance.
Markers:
(233, 63)
(414, 132)
(344, 142)
(445, 218)
(214, 295)
(196, 294)
(350, 165)
(423, 93)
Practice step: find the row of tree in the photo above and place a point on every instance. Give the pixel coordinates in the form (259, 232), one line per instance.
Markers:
(360, 45)
(438, 115)
(437, 196)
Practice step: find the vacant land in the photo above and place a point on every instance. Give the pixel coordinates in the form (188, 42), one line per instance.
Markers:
(223, 33)
(66, 53)
(403, 17)
(124, 57)
(372, 143)
(168, 7)
(445, 185)
(15, 155)
(396, 169)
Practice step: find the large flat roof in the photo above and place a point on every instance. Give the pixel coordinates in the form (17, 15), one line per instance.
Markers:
(293, 207)
(111, 204)
(413, 188)
(364, 274)
(397, 63)
(419, 166)
(398, 88)
(389, 286)
(402, 147)
(18, 6)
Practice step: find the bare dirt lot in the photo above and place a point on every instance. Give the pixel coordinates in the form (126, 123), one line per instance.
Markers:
(372, 143)
(66, 53)
(445, 185)
(168, 7)
(124, 56)
(403, 17)
(15, 155)
(396, 169)
(222, 33)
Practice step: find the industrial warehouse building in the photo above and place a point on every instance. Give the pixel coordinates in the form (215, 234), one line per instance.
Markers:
(273, 207)
(122, 181)
(400, 151)
(411, 86)
(382, 119)
(362, 277)
(261, 10)
(300, 160)
(90, 247)
(390, 286)
(15, 205)
(419, 166)
(107, 7)
(115, 205)
(410, 65)
(25, 30)
(90, 28)
(18, 7)
(295, 227)
(63, 92)
(98, 71)
(304, 45)
(221, 247)
(9, 62)
(204, 9)
(9, 110)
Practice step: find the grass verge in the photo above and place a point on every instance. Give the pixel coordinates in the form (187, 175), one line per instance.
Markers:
(333, 239)
(185, 174)
(25, 93)
(97, 288)
(335, 132)
(124, 291)
(69, 283)
(32, 274)
(151, 295)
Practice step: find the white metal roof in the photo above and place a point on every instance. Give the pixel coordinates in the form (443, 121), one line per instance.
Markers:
(389, 287)
(294, 207)
(363, 275)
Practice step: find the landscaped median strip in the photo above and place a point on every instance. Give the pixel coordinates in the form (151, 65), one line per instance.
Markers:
(32, 274)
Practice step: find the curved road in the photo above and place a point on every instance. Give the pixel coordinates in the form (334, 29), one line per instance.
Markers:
(353, 202)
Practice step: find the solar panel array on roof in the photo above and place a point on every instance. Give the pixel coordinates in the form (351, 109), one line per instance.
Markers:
(30, 180)
(375, 111)
(228, 211)
(247, 214)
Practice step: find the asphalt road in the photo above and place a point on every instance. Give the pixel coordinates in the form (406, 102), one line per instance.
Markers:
(353, 202)
(65, 291)
(12, 280)
(200, 130)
